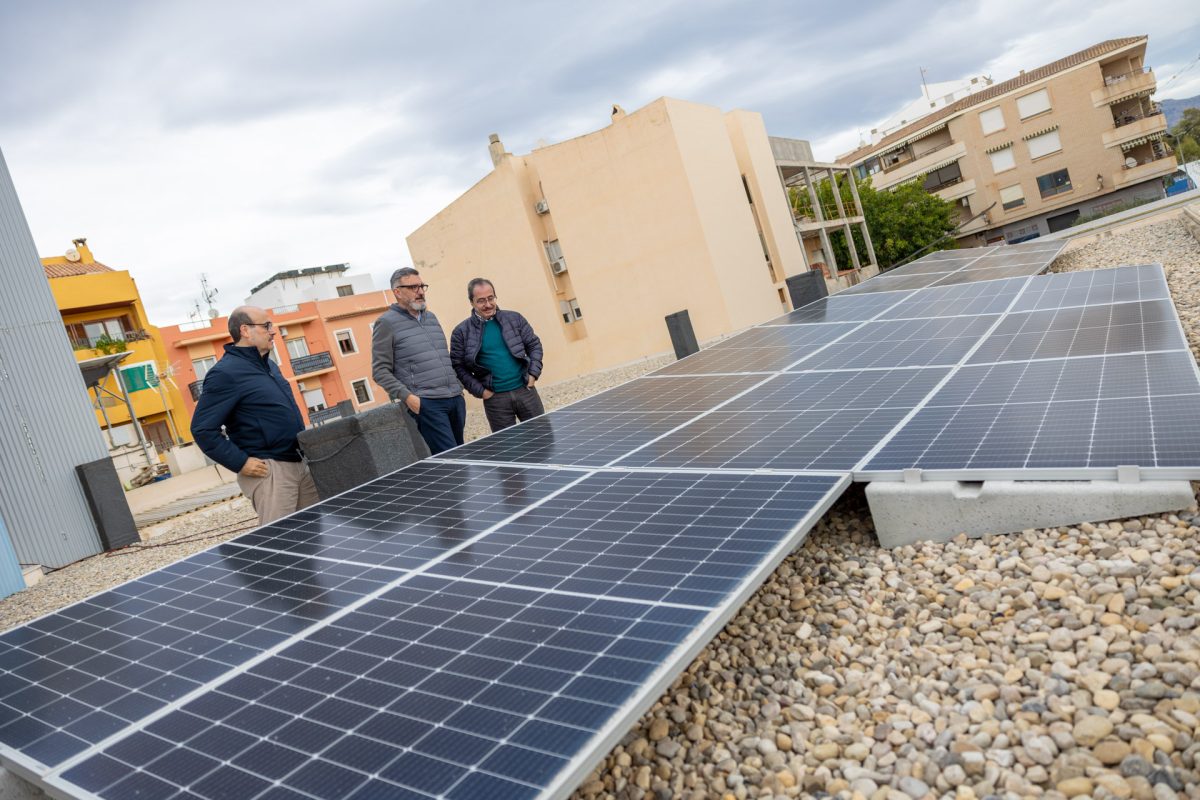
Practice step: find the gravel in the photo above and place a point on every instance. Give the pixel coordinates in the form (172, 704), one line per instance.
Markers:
(1054, 663)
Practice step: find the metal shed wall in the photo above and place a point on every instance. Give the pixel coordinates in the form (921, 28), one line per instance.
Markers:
(47, 425)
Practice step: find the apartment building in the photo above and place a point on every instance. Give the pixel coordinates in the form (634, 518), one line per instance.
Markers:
(676, 206)
(1029, 155)
(308, 284)
(323, 348)
(103, 314)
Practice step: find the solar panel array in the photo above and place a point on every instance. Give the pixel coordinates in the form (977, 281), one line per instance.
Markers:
(954, 267)
(489, 622)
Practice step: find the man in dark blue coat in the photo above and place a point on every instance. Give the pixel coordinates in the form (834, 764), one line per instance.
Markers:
(498, 358)
(246, 393)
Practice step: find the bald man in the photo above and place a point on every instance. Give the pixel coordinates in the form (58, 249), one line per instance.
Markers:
(246, 393)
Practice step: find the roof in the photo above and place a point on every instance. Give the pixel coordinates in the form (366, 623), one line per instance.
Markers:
(994, 91)
(68, 269)
(299, 273)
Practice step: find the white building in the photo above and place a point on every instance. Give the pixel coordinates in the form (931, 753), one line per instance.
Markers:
(294, 286)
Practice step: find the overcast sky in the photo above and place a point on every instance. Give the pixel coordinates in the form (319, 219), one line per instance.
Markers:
(242, 138)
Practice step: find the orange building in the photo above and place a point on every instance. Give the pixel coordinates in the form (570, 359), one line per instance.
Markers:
(323, 348)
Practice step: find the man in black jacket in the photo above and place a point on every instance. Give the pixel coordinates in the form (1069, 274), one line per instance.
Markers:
(246, 393)
(497, 357)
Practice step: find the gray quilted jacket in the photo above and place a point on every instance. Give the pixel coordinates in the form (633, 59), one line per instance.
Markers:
(409, 356)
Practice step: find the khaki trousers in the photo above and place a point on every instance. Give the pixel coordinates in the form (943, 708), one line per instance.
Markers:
(287, 488)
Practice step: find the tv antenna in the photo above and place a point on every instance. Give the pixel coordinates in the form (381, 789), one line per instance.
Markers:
(208, 295)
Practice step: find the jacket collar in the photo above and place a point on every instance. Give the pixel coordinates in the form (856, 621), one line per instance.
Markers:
(250, 354)
(399, 309)
(481, 320)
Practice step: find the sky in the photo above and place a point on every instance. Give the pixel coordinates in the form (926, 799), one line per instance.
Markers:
(238, 139)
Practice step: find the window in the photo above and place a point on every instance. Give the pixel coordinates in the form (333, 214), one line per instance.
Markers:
(570, 310)
(1034, 103)
(1054, 183)
(314, 399)
(1044, 145)
(1012, 196)
(746, 186)
(1002, 160)
(345, 342)
(345, 291)
(203, 365)
(941, 178)
(362, 391)
(991, 120)
(297, 348)
(85, 334)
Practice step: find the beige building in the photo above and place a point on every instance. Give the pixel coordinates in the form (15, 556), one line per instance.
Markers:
(597, 239)
(1028, 156)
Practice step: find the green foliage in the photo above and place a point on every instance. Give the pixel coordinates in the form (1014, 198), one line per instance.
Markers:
(108, 345)
(901, 220)
(1115, 208)
(1186, 135)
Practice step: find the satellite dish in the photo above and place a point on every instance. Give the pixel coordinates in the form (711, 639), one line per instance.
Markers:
(72, 255)
(1130, 162)
(212, 313)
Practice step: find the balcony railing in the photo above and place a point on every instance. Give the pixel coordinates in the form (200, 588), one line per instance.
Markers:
(314, 362)
(1119, 87)
(90, 342)
(195, 387)
(944, 184)
(1128, 119)
(324, 415)
(1113, 80)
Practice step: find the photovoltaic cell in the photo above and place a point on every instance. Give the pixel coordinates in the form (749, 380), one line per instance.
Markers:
(840, 308)
(808, 421)
(77, 676)
(1095, 287)
(571, 438)
(661, 537)
(987, 274)
(693, 394)
(969, 299)
(903, 343)
(1083, 331)
(1066, 413)
(765, 349)
(444, 505)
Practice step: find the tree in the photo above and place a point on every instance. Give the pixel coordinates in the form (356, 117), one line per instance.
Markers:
(1186, 135)
(902, 220)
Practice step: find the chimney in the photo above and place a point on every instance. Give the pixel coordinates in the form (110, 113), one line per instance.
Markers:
(85, 255)
(495, 149)
(617, 112)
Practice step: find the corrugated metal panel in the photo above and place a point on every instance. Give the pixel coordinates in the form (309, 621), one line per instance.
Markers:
(46, 421)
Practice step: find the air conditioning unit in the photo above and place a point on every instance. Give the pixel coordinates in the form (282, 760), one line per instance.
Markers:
(558, 266)
(541, 207)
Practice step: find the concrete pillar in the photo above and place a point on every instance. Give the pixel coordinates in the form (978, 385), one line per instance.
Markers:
(837, 198)
(830, 258)
(858, 206)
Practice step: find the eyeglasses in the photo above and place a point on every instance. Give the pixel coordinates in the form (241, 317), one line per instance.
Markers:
(479, 301)
(422, 287)
(268, 324)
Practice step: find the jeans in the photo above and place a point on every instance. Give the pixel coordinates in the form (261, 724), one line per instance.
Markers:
(441, 422)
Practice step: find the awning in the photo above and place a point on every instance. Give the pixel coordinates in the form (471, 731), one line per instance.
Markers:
(939, 165)
(1123, 97)
(1041, 132)
(1150, 137)
(997, 148)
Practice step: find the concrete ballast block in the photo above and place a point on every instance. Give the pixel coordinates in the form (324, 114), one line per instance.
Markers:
(937, 511)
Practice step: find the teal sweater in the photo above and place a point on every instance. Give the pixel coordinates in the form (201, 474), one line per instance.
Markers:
(495, 358)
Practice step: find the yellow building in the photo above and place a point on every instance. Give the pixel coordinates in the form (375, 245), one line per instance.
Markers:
(103, 314)
(596, 239)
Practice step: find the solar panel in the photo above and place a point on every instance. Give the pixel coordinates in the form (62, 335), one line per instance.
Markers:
(1094, 287)
(968, 299)
(484, 686)
(1064, 414)
(766, 349)
(840, 307)
(953, 267)
(903, 343)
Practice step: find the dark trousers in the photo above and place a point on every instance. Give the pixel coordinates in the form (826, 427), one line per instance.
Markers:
(441, 422)
(503, 409)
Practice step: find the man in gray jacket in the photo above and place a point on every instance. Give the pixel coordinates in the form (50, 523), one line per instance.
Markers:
(410, 360)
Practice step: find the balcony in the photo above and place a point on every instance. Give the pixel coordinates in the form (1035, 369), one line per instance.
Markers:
(1119, 87)
(1151, 168)
(1131, 128)
(926, 163)
(110, 343)
(312, 363)
(324, 415)
(957, 190)
(194, 387)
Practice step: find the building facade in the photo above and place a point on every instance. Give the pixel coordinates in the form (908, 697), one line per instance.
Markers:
(598, 238)
(322, 347)
(306, 285)
(1030, 155)
(103, 314)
